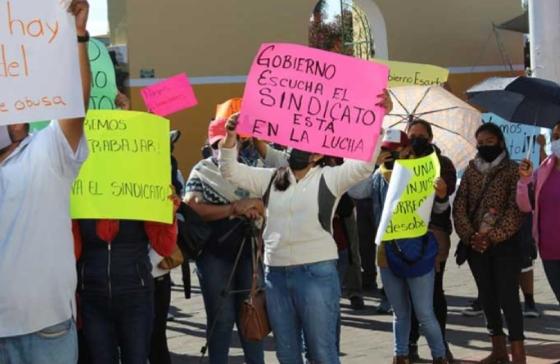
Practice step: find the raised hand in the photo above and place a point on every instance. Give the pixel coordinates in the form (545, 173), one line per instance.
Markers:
(526, 168)
(80, 10)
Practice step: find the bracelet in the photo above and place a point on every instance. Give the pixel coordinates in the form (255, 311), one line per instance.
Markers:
(83, 38)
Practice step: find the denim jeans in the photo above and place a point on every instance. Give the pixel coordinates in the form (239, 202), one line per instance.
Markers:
(223, 310)
(420, 290)
(304, 298)
(123, 321)
(57, 344)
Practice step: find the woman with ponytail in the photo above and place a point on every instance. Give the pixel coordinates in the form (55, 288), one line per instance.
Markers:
(302, 285)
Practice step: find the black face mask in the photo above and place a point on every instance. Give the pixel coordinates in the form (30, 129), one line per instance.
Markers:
(489, 153)
(390, 164)
(298, 159)
(421, 146)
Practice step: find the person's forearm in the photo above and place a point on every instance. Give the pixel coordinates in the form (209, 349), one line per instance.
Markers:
(542, 155)
(85, 71)
(210, 212)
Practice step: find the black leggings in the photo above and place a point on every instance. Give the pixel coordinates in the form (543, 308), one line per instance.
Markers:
(496, 273)
(159, 353)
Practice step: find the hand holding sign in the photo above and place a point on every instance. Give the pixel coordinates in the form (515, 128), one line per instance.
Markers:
(80, 9)
(231, 128)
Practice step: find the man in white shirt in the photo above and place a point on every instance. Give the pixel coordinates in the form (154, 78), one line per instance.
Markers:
(37, 264)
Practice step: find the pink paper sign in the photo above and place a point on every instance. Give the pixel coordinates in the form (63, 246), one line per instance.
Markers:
(169, 96)
(314, 100)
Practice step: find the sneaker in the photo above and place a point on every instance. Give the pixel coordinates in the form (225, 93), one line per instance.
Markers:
(413, 355)
(531, 311)
(473, 310)
(357, 303)
(384, 307)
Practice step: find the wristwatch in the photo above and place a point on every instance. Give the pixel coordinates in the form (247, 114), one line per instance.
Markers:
(83, 38)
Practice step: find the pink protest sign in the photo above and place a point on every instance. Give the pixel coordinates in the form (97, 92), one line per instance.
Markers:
(314, 100)
(169, 96)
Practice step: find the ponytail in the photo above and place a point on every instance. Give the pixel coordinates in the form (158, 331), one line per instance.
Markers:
(282, 179)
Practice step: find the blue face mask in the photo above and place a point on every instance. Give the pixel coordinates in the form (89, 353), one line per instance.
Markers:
(555, 147)
(5, 139)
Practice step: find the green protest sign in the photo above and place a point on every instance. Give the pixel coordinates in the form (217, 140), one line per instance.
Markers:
(103, 79)
(128, 172)
(410, 198)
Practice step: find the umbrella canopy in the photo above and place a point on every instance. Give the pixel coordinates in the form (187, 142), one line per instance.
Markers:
(522, 100)
(454, 121)
(518, 24)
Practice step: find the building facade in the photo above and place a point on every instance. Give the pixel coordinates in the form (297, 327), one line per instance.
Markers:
(214, 42)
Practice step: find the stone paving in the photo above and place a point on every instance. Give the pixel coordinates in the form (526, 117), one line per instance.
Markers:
(366, 335)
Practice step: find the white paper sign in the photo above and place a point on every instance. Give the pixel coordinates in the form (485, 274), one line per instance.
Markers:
(39, 67)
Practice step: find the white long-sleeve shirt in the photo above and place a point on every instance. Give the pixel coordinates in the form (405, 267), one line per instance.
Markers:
(298, 229)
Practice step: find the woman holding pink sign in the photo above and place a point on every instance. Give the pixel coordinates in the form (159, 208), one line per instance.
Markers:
(302, 284)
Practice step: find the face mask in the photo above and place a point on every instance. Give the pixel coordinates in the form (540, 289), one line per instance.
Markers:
(389, 165)
(298, 159)
(555, 147)
(248, 155)
(420, 146)
(5, 139)
(489, 153)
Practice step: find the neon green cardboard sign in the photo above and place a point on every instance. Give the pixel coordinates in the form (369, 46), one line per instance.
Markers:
(410, 199)
(128, 172)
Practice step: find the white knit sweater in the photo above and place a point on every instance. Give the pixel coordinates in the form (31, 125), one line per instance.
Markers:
(294, 234)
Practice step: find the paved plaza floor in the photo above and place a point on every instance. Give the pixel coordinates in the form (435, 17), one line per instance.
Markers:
(367, 336)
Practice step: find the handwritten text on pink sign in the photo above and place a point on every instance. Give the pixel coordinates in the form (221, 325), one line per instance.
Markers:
(314, 100)
(169, 96)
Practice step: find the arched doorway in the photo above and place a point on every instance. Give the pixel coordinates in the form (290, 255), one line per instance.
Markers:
(352, 27)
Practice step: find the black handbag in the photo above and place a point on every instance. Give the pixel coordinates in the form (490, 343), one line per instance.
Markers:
(193, 233)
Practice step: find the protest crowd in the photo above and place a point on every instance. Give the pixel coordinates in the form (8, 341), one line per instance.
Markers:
(279, 235)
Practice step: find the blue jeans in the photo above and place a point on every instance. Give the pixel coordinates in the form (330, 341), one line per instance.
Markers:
(304, 298)
(123, 321)
(213, 274)
(57, 344)
(400, 291)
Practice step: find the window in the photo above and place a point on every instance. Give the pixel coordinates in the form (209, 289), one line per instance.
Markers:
(352, 27)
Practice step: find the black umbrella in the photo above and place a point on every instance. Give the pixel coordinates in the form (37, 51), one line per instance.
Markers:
(522, 100)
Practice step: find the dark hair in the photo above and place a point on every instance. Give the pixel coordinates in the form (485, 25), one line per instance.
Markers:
(556, 125)
(282, 179)
(494, 130)
(422, 122)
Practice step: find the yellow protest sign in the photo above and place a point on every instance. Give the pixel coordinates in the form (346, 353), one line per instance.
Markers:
(410, 198)
(128, 172)
(409, 74)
